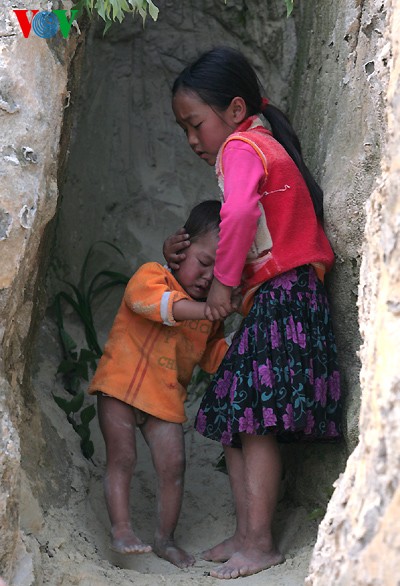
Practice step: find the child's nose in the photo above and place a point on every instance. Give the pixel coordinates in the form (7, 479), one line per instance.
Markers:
(208, 273)
(192, 138)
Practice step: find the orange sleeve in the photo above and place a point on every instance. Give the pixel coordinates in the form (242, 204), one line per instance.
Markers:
(215, 350)
(149, 293)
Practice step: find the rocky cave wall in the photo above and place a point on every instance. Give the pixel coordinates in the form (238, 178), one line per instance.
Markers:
(358, 540)
(33, 95)
(337, 103)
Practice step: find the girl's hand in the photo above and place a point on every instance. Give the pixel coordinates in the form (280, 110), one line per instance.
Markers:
(218, 304)
(173, 246)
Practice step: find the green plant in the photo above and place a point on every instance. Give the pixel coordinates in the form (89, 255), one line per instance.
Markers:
(112, 10)
(289, 7)
(74, 366)
(71, 409)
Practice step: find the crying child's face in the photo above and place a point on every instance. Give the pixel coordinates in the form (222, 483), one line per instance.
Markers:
(196, 271)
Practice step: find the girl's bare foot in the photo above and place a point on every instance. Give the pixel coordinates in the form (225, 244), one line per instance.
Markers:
(223, 551)
(246, 563)
(168, 550)
(125, 541)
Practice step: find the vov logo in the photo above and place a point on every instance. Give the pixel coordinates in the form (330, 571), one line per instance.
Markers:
(46, 23)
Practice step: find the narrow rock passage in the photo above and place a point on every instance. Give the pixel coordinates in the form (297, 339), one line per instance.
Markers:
(74, 537)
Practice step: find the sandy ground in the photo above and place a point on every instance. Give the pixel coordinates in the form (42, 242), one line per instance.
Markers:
(70, 539)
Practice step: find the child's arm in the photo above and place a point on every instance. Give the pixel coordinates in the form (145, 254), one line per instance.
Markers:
(173, 248)
(150, 295)
(187, 309)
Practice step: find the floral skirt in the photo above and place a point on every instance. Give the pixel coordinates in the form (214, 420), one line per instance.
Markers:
(280, 374)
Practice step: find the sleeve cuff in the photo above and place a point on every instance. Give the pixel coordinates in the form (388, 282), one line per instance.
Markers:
(166, 309)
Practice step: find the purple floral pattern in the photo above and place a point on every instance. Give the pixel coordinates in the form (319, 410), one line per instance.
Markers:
(201, 421)
(266, 374)
(295, 332)
(334, 385)
(223, 385)
(244, 342)
(320, 390)
(288, 418)
(247, 423)
(269, 417)
(280, 374)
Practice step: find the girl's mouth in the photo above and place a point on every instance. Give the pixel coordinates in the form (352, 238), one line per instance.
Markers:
(201, 154)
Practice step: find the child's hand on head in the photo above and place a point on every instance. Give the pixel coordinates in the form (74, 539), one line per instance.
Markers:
(173, 248)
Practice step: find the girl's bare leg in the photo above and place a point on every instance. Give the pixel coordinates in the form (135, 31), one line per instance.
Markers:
(262, 473)
(224, 550)
(166, 443)
(117, 424)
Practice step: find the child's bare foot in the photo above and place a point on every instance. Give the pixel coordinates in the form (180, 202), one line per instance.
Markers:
(167, 549)
(125, 541)
(246, 563)
(223, 551)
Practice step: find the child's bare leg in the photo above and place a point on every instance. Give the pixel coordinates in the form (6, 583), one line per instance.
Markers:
(117, 424)
(262, 473)
(166, 443)
(224, 550)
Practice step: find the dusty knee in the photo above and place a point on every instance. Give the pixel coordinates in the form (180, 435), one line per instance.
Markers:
(173, 469)
(122, 460)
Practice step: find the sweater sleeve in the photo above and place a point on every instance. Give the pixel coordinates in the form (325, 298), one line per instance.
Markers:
(243, 171)
(150, 294)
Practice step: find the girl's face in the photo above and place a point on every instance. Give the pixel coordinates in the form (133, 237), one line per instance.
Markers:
(205, 127)
(196, 271)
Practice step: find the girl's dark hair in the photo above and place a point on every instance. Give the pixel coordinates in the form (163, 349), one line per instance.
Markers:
(224, 73)
(203, 218)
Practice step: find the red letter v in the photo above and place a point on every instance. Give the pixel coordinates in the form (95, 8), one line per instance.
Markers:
(24, 22)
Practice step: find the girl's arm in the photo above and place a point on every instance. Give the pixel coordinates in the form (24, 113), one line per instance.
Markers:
(239, 218)
(173, 248)
(243, 171)
(219, 301)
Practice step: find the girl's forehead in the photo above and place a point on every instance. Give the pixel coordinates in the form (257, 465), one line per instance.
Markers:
(187, 103)
(187, 95)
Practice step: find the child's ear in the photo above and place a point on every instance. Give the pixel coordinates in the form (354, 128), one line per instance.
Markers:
(238, 109)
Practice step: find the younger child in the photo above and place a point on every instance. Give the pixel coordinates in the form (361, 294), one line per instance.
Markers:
(159, 334)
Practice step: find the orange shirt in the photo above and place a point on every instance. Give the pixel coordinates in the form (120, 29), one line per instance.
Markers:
(149, 358)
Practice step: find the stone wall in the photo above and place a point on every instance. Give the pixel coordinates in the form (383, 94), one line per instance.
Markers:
(130, 169)
(358, 540)
(131, 173)
(33, 95)
(338, 107)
